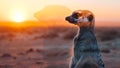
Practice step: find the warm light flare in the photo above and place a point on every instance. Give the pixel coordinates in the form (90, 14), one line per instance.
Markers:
(17, 16)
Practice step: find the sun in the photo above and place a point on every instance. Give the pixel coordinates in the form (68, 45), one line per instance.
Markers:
(17, 16)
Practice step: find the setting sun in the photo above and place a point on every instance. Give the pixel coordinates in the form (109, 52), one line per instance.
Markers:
(18, 16)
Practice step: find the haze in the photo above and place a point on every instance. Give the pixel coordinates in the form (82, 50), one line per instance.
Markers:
(104, 10)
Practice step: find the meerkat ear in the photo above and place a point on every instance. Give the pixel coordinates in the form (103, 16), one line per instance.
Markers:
(90, 18)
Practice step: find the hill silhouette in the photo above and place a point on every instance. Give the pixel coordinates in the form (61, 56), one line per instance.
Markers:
(52, 12)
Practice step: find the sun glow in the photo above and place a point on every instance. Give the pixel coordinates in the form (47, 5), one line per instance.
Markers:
(18, 16)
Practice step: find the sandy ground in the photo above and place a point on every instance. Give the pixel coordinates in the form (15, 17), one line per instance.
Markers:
(21, 50)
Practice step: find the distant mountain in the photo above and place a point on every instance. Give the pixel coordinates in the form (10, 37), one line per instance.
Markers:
(53, 12)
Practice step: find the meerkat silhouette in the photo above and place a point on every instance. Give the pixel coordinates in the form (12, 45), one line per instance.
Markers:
(86, 51)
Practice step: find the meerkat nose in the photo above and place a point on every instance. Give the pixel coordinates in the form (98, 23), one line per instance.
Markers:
(67, 18)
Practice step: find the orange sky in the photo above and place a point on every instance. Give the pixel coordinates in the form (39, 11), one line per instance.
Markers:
(104, 10)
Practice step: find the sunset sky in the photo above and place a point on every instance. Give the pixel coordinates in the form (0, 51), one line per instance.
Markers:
(105, 10)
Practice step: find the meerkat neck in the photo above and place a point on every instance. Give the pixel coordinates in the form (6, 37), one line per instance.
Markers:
(86, 29)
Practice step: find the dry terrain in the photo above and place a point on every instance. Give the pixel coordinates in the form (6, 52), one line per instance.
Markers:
(51, 47)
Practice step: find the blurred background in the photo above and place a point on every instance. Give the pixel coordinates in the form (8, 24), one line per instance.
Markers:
(34, 33)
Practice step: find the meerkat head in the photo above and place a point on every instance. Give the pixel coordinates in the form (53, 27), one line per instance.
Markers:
(82, 18)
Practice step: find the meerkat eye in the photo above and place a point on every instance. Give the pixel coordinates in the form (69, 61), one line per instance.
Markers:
(75, 15)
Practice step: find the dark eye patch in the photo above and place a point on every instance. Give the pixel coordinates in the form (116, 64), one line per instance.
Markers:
(75, 15)
(90, 17)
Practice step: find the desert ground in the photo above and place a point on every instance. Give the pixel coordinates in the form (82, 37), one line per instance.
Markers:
(51, 47)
